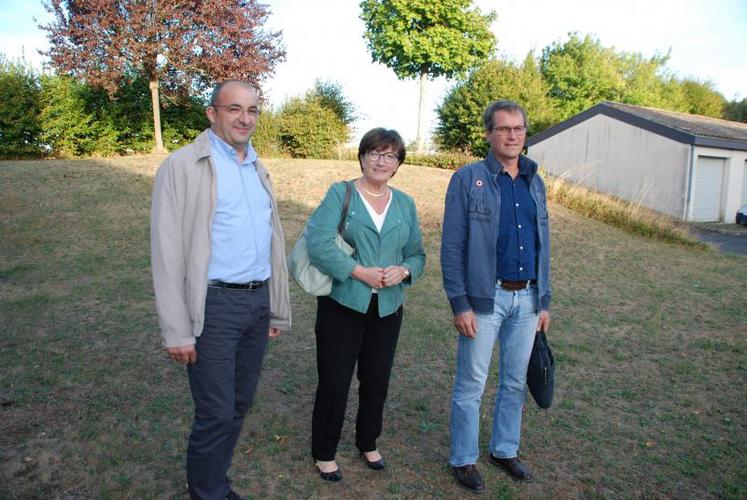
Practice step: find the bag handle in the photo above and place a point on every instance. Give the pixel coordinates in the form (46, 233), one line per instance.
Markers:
(343, 216)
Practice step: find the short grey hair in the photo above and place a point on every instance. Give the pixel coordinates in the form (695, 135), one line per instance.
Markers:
(215, 94)
(502, 105)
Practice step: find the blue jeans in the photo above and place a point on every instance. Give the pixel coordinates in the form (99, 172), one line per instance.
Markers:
(513, 323)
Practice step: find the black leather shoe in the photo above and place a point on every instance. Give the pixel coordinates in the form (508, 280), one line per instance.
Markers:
(375, 465)
(513, 466)
(333, 476)
(469, 478)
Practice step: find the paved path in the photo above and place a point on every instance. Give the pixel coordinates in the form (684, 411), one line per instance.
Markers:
(727, 243)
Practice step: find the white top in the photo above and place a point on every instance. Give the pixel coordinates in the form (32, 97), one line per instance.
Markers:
(378, 219)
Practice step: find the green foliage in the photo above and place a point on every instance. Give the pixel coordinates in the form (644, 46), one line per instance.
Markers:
(460, 124)
(701, 99)
(581, 73)
(19, 110)
(330, 96)
(71, 125)
(266, 138)
(736, 110)
(308, 129)
(431, 37)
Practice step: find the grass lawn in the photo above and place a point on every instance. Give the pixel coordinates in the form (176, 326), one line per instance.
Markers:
(650, 339)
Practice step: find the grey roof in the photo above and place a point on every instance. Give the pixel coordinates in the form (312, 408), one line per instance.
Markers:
(681, 127)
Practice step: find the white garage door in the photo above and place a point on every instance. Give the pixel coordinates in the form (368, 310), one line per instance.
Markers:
(709, 183)
(744, 185)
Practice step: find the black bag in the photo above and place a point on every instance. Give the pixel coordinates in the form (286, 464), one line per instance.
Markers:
(541, 371)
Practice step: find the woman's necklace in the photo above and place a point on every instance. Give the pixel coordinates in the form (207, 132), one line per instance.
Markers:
(375, 195)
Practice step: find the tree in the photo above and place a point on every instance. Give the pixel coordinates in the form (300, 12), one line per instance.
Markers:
(19, 110)
(460, 124)
(330, 95)
(427, 38)
(181, 47)
(581, 73)
(702, 99)
(736, 110)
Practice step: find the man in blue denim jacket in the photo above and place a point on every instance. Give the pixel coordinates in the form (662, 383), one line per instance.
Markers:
(495, 259)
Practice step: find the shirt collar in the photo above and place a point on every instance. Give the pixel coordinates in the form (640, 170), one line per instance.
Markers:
(227, 151)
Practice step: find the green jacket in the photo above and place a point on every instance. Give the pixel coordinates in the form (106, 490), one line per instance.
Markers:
(400, 243)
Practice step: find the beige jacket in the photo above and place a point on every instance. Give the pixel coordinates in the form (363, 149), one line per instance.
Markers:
(184, 197)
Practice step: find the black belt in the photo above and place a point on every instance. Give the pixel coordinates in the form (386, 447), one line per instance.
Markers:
(252, 285)
(517, 285)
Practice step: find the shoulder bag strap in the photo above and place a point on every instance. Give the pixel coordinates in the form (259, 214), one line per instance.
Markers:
(343, 216)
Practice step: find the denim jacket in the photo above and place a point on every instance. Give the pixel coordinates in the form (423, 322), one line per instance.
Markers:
(399, 243)
(470, 236)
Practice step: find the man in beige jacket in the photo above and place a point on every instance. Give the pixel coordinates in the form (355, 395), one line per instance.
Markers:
(220, 277)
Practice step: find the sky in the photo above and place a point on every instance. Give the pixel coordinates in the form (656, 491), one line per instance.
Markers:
(323, 39)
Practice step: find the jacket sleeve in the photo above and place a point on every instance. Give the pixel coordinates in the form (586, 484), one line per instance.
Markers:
(454, 245)
(413, 252)
(321, 230)
(168, 261)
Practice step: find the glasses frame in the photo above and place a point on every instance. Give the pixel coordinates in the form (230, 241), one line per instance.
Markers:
(236, 110)
(388, 157)
(520, 130)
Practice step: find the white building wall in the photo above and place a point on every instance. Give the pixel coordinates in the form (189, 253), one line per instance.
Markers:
(620, 159)
(733, 181)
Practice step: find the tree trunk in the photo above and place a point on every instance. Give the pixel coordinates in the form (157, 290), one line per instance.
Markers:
(420, 140)
(156, 116)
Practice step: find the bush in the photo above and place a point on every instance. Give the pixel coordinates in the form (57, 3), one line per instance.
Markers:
(266, 139)
(19, 110)
(307, 129)
(71, 128)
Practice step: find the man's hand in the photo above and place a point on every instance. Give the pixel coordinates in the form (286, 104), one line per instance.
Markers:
(466, 324)
(183, 354)
(274, 332)
(371, 276)
(543, 322)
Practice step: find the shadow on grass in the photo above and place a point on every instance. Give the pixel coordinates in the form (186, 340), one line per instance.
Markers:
(650, 341)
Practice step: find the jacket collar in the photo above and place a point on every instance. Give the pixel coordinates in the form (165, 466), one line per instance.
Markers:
(527, 167)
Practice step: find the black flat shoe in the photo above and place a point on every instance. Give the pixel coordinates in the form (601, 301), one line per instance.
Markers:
(375, 465)
(333, 476)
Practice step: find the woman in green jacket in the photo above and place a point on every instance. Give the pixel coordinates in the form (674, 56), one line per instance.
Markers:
(360, 320)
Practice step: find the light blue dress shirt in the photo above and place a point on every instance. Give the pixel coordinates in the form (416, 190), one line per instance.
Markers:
(241, 233)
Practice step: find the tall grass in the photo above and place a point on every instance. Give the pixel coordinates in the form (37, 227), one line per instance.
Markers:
(629, 216)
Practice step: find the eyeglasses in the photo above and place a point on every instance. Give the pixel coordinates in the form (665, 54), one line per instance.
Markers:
(236, 110)
(375, 156)
(520, 130)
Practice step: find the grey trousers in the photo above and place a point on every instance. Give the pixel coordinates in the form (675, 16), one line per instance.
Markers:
(223, 381)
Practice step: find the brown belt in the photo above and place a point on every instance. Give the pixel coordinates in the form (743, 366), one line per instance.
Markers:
(517, 285)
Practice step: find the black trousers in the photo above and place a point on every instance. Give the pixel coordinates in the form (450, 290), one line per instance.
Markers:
(344, 337)
(223, 381)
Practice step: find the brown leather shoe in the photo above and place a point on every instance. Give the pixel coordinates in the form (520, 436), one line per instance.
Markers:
(469, 478)
(513, 466)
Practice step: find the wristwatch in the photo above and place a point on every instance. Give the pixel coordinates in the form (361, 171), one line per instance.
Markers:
(407, 271)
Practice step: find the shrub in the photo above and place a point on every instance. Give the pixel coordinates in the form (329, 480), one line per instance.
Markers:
(307, 129)
(266, 139)
(19, 110)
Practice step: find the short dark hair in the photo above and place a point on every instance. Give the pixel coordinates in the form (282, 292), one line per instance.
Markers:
(215, 94)
(381, 138)
(502, 105)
